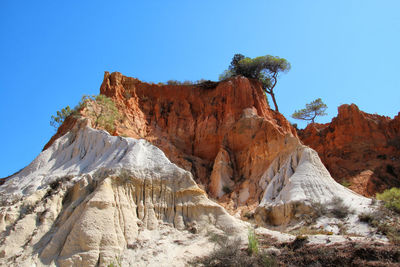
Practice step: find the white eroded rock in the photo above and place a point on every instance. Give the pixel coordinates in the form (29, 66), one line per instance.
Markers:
(293, 182)
(88, 197)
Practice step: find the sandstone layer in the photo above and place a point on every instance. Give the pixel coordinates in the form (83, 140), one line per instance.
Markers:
(142, 193)
(359, 149)
(90, 196)
(223, 133)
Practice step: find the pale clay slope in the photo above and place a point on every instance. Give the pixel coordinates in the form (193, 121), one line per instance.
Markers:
(115, 196)
(300, 178)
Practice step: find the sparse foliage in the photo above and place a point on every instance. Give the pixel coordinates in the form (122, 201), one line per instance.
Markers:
(102, 109)
(312, 110)
(174, 82)
(253, 242)
(227, 253)
(345, 183)
(265, 69)
(62, 114)
(334, 208)
(385, 220)
(391, 197)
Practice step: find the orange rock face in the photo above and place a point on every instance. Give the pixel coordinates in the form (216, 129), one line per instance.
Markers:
(193, 124)
(360, 149)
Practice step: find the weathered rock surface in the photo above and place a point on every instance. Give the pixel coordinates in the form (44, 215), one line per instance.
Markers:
(89, 196)
(294, 182)
(194, 124)
(358, 148)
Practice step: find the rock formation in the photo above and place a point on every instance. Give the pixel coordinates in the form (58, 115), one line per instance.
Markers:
(194, 124)
(296, 181)
(358, 148)
(88, 196)
(142, 192)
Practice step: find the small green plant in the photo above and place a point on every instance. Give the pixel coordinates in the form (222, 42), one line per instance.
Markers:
(345, 183)
(62, 114)
(102, 109)
(253, 242)
(229, 254)
(117, 263)
(391, 197)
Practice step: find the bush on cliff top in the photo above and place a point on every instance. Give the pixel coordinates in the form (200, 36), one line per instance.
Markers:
(100, 109)
(62, 114)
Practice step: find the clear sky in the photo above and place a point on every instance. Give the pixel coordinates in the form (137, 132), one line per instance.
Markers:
(53, 52)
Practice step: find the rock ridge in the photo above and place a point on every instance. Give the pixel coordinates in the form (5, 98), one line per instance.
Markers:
(358, 148)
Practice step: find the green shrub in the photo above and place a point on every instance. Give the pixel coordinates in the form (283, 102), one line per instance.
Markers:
(391, 197)
(345, 183)
(229, 254)
(57, 120)
(102, 110)
(253, 243)
(174, 82)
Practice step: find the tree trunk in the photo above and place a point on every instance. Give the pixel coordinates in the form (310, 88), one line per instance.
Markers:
(271, 91)
(313, 118)
(273, 99)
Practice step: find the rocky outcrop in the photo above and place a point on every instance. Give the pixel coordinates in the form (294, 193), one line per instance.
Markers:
(294, 182)
(193, 124)
(89, 197)
(360, 149)
(226, 132)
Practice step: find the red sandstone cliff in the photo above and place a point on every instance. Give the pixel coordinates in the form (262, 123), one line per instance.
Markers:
(224, 133)
(359, 148)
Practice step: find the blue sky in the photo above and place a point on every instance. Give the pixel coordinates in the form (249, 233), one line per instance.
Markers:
(53, 52)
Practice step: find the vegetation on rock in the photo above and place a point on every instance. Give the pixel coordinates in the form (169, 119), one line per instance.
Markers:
(265, 69)
(62, 114)
(312, 110)
(228, 253)
(102, 110)
(253, 243)
(385, 220)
